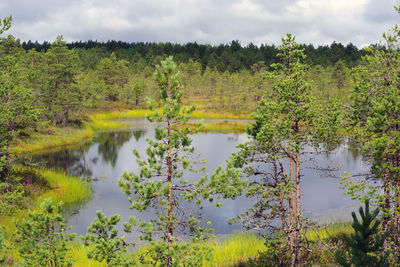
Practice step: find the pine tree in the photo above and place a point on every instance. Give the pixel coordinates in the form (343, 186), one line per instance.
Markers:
(161, 187)
(113, 73)
(375, 122)
(42, 239)
(365, 243)
(287, 120)
(103, 241)
(60, 92)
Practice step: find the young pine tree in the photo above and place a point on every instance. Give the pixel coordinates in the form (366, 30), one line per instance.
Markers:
(365, 244)
(42, 239)
(103, 242)
(161, 185)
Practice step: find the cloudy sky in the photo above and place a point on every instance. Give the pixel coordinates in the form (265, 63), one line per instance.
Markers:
(318, 22)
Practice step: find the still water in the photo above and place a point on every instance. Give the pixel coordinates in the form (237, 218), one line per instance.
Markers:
(110, 154)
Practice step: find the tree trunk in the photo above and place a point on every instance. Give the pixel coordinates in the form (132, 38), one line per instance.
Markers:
(298, 211)
(386, 206)
(170, 194)
(292, 216)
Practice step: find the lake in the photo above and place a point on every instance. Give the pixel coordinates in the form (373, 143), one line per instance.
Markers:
(110, 154)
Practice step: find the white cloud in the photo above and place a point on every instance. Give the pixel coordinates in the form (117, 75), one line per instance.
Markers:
(205, 21)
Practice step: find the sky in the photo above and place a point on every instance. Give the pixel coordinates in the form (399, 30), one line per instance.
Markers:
(319, 22)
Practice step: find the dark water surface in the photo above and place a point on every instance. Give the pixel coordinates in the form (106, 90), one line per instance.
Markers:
(110, 154)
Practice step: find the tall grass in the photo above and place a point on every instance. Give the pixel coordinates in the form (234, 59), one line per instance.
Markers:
(98, 125)
(65, 188)
(330, 232)
(236, 248)
(79, 254)
(141, 113)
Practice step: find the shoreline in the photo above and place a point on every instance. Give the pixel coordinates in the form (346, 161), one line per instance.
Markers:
(53, 138)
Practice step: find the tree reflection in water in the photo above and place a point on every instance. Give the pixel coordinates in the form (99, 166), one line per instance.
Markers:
(110, 144)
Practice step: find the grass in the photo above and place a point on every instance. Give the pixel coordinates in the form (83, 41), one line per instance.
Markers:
(120, 114)
(218, 127)
(52, 137)
(78, 253)
(225, 127)
(216, 115)
(98, 125)
(65, 188)
(236, 248)
(330, 232)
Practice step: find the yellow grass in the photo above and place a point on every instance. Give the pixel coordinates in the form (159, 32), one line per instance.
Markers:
(236, 248)
(216, 115)
(51, 138)
(330, 231)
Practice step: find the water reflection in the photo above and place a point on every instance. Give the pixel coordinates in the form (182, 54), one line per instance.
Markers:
(105, 159)
(110, 144)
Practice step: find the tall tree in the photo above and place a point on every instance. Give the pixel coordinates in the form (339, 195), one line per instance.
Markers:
(339, 74)
(113, 73)
(287, 121)
(375, 117)
(161, 185)
(60, 92)
(16, 109)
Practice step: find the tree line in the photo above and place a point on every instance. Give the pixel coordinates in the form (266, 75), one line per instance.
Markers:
(230, 57)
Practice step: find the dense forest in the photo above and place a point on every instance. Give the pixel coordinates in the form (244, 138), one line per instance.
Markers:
(229, 57)
(299, 101)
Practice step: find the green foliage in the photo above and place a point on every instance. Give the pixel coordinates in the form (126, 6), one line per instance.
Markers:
(113, 74)
(133, 90)
(16, 98)
(5, 24)
(103, 242)
(2, 257)
(287, 120)
(61, 93)
(160, 185)
(375, 122)
(340, 74)
(365, 243)
(42, 239)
